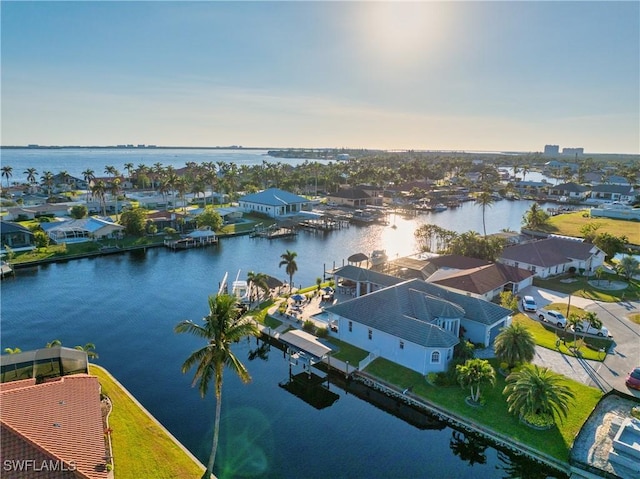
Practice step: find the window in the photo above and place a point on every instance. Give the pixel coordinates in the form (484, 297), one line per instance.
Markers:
(435, 357)
(350, 326)
(370, 334)
(401, 344)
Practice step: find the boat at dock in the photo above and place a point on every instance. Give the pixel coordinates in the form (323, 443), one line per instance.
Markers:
(378, 257)
(197, 238)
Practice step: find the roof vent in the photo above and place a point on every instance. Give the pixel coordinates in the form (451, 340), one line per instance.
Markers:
(57, 424)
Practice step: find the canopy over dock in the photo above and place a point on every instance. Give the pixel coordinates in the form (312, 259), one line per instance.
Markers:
(306, 345)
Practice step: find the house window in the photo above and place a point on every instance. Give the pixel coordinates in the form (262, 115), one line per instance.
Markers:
(435, 357)
(370, 334)
(401, 344)
(350, 326)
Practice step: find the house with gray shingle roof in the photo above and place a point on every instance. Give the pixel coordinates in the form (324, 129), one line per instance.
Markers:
(610, 193)
(416, 324)
(274, 202)
(569, 190)
(553, 256)
(354, 197)
(16, 237)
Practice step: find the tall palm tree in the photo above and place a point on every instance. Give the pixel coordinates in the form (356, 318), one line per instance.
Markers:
(115, 191)
(473, 374)
(289, 260)
(129, 168)
(222, 327)
(47, 180)
(89, 176)
(7, 172)
(537, 391)
(31, 175)
(257, 281)
(98, 190)
(485, 199)
(515, 345)
(88, 348)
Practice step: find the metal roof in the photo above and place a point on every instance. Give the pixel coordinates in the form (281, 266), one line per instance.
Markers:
(305, 342)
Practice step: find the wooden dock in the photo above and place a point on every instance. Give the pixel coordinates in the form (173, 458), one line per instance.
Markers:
(6, 270)
(188, 243)
(274, 233)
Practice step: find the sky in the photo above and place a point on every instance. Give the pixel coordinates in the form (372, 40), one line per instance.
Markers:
(489, 76)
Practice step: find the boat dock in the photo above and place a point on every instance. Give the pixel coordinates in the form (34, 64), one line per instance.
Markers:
(6, 270)
(187, 243)
(274, 232)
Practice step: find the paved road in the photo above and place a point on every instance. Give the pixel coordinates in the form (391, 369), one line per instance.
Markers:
(624, 356)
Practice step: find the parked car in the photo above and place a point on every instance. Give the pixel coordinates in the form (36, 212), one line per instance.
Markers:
(586, 327)
(529, 304)
(633, 379)
(554, 317)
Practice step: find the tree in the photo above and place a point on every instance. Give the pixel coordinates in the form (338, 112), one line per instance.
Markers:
(222, 327)
(610, 244)
(535, 391)
(98, 190)
(535, 218)
(31, 175)
(47, 180)
(509, 300)
(515, 345)
(485, 199)
(590, 230)
(41, 239)
(134, 221)
(7, 172)
(12, 350)
(209, 217)
(257, 281)
(289, 260)
(79, 211)
(473, 245)
(54, 344)
(473, 374)
(628, 267)
(90, 349)
(88, 176)
(114, 189)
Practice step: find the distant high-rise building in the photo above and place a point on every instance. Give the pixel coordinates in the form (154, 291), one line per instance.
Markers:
(551, 149)
(573, 151)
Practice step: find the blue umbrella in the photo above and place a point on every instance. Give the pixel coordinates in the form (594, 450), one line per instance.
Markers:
(297, 297)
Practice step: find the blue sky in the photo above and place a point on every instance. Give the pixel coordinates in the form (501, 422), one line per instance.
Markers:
(433, 75)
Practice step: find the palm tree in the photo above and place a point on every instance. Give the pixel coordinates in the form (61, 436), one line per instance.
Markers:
(222, 326)
(574, 321)
(258, 281)
(537, 391)
(88, 348)
(7, 172)
(56, 343)
(515, 345)
(115, 191)
(129, 168)
(628, 267)
(98, 190)
(88, 176)
(485, 199)
(12, 350)
(31, 175)
(289, 260)
(535, 217)
(47, 180)
(473, 374)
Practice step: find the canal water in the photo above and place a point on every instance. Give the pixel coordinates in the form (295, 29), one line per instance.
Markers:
(128, 306)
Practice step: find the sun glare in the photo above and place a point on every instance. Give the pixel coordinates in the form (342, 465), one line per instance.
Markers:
(402, 33)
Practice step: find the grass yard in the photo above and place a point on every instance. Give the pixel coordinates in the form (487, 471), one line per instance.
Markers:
(347, 352)
(569, 224)
(581, 287)
(635, 318)
(494, 414)
(547, 336)
(141, 448)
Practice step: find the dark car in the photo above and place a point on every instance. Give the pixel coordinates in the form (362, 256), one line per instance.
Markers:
(633, 379)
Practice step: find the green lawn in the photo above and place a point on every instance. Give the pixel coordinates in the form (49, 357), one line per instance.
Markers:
(635, 318)
(581, 287)
(347, 352)
(547, 336)
(569, 224)
(494, 414)
(141, 449)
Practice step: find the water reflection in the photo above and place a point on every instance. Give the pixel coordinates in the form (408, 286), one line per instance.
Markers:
(468, 447)
(518, 467)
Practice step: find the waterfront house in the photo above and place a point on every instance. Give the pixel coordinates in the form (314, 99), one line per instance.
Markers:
(353, 197)
(52, 428)
(553, 256)
(611, 193)
(16, 237)
(85, 229)
(274, 202)
(568, 191)
(23, 213)
(616, 211)
(416, 324)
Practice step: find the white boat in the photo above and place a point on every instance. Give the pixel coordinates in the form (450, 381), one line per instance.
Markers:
(439, 207)
(378, 257)
(240, 289)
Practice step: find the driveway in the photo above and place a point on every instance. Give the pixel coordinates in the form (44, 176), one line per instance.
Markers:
(622, 358)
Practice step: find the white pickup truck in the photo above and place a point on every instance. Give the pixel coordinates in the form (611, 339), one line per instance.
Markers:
(553, 317)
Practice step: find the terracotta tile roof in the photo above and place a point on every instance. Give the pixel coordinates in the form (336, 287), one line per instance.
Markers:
(60, 419)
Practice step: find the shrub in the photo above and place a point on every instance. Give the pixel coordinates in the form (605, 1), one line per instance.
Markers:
(539, 420)
(322, 332)
(309, 326)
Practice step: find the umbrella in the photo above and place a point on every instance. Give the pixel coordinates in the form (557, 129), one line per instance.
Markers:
(328, 289)
(297, 297)
(357, 258)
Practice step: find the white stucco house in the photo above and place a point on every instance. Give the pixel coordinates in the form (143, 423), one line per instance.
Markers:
(415, 324)
(553, 256)
(274, 202)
